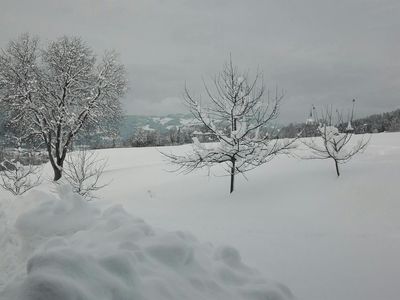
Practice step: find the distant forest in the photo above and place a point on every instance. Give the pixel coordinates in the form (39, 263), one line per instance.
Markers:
(385, 122)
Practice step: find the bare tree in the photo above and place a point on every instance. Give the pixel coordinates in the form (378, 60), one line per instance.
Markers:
(174, 135)
(239, 114)
(83, 170)
(18, 178)
(55, 91)
(336, 138)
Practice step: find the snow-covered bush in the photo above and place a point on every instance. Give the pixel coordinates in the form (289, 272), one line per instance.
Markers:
(18, 178)
(83, 170)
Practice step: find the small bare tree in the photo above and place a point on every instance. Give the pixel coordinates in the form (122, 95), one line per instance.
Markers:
(336, 138)
(18, 178)
(238, 115)
(83, 170)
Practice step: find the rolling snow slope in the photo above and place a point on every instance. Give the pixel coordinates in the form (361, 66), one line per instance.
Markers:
(324, 237)
(75, 251)
(293, 220)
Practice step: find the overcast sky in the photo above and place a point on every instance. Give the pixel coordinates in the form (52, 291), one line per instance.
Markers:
(317, 51)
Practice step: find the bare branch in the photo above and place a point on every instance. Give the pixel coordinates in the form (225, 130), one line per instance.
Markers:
(335, 140)
(83, 170)
(238, 116)
(56, 91)
(17, 178)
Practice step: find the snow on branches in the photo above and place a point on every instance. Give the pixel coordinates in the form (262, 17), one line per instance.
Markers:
(83, 170)
(53, 92)
(336, 139)
(18, 178)
(238, 115)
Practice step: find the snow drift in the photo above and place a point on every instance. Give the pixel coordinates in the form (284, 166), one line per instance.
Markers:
(79, 252)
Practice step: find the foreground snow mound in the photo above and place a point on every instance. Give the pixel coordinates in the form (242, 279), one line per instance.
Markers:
(83, 254)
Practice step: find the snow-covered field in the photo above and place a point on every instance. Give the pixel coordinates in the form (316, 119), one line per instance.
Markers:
(323, 237)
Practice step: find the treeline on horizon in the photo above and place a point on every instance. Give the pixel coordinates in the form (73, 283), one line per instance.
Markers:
(179, 135)
(376, 123)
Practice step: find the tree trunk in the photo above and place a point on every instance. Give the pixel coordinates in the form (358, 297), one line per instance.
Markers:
(57, 168)
(232, 175)
(233, 160)
(57, 173)
(337, 168)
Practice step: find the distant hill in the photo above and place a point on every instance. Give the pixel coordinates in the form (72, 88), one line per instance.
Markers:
(131, 123)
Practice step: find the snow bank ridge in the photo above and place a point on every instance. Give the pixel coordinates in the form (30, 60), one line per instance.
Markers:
(91, 255)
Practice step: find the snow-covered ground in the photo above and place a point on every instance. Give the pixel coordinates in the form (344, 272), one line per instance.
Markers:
(293, 220)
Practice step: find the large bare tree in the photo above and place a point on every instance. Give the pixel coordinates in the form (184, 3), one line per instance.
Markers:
(239, 115)
(53, 92)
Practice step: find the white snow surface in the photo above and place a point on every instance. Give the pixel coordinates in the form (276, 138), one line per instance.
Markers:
(74, 251)
(326, 238)
(147, 127)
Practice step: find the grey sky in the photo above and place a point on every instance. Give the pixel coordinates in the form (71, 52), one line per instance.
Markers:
(317, 51)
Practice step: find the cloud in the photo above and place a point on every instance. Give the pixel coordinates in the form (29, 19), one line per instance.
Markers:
(168, 105)
(318, 51)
